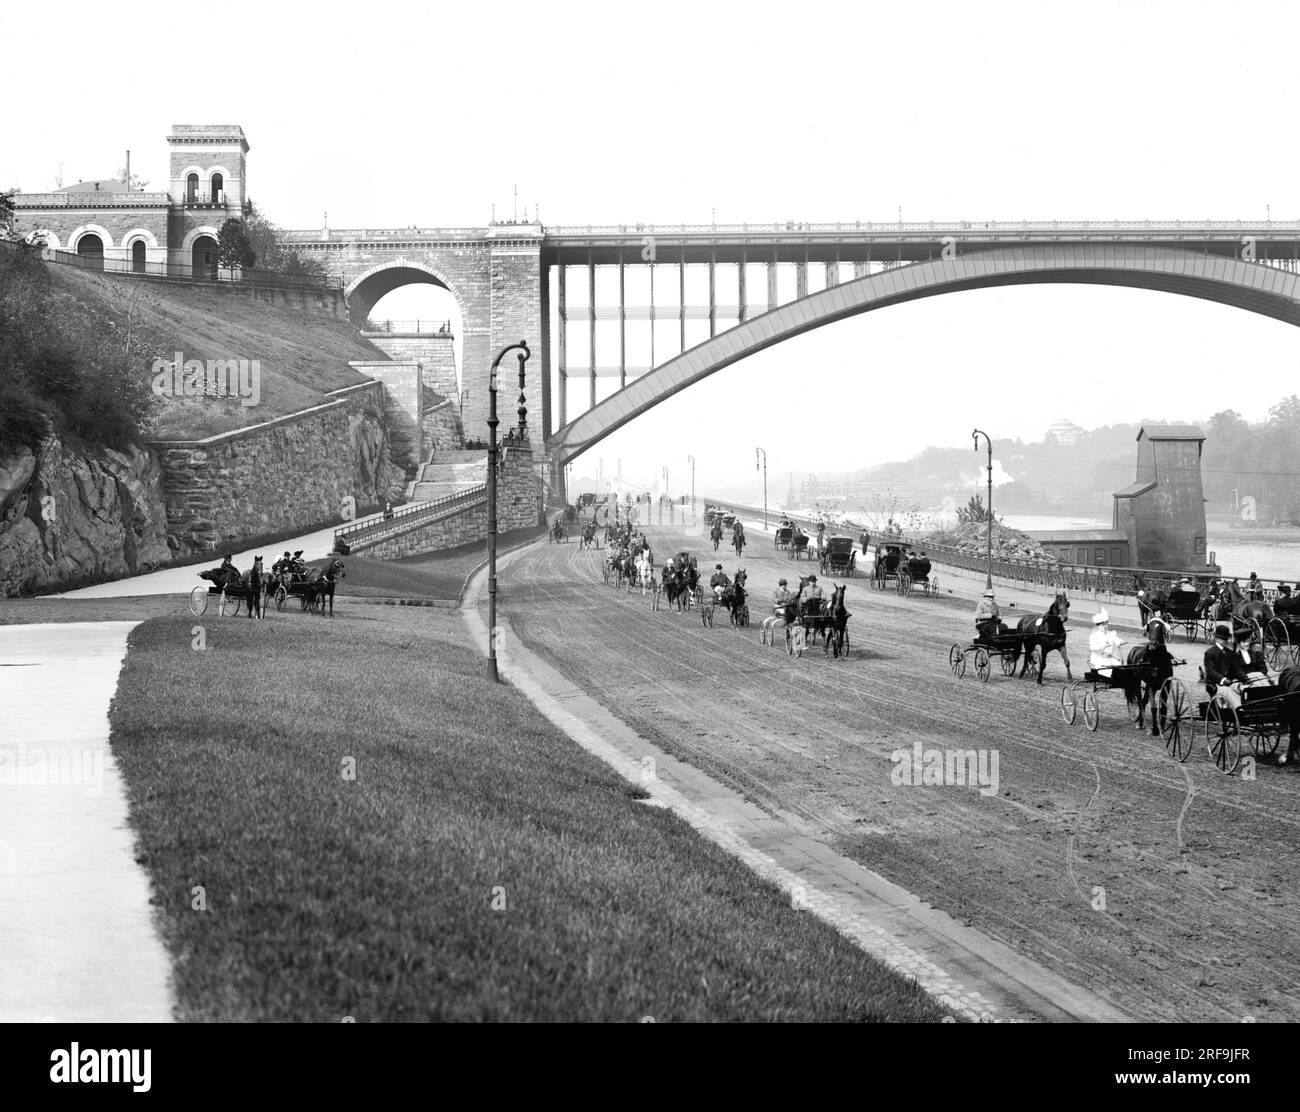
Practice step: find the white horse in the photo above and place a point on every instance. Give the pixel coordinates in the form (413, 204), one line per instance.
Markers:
(645, 571)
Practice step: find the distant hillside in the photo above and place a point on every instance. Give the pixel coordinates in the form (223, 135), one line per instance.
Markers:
(301, 356)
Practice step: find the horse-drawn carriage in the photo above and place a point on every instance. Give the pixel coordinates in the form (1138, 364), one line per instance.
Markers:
(916, 573)
(559, 534)
(732, 598)
(805, 621)
(784, 534)
(888, 565)
(1005, 646)
(1264, 716)
(1035, 637)
(839, 557)
(797, 549)
(227, 589)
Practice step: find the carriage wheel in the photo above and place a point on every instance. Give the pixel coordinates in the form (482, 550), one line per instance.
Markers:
(1223, 736)
(789, 641)
(982, 666)
(281, 596)
(955, 659)
(1069, 709)
(1008, 663)
(1091, 712)
(1176, 710)
(228, 604)
(1277, 645)
(934, 585)
(198, 601)
(1265, 743)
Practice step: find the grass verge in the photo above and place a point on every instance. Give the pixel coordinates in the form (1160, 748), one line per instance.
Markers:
(480, 866)
(439, 575)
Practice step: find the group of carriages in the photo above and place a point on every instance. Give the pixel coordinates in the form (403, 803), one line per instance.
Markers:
(290, 577)
(905, 569)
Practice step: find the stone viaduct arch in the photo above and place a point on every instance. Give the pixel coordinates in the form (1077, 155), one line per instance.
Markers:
(1254, 287)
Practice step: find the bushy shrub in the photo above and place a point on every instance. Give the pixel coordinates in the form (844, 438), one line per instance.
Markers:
(77, 368)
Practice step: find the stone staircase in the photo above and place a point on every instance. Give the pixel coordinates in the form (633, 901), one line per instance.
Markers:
(449, 472)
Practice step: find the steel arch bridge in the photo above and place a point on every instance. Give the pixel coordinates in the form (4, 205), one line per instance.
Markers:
(1256, 287)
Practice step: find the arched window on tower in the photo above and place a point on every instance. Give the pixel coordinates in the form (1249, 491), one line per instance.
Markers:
(191, 189)
(218, 185)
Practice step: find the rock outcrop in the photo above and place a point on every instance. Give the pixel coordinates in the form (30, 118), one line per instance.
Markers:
(68, 515)
(1008, 543)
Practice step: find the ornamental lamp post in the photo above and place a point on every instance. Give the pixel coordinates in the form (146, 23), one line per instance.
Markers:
(493, 675)
(756, 452)
(975, 436)
(692, 459)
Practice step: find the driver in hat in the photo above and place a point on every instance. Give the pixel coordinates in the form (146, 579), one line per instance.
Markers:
(988, 619)
(1104, 644)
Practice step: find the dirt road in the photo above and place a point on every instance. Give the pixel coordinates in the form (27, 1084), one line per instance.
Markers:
(1169, 889)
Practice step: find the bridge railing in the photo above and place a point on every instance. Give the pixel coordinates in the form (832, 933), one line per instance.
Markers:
(186, 272)
(407, 517)
(889, 227)
(417, 327)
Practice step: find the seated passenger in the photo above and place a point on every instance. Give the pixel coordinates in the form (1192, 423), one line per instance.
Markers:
(1104, 645)
(988, 621)
(1185, 584)
(718, 581)
(1254, 589)
(1229, 672)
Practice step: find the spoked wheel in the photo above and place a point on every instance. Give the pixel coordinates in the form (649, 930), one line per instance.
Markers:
(983, 668)
(1176, 712)
(934, 585)
(1069, 709)
(1223, 736)
(1277, 645)
(956, 660)
(281, 597)
(1091, 712)
(1008, 663)
(1265, 744)
(198, 601)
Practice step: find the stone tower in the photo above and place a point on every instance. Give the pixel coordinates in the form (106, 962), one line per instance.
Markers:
(209, 185)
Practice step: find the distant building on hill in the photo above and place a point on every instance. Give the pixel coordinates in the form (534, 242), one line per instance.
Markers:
(104, 219)
(1065, 431)
(1162, 512)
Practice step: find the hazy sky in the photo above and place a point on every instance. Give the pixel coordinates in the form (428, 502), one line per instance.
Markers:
(395, 114)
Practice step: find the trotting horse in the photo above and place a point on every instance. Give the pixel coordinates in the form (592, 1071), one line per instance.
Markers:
(782, 616)
(1152, 601)
(1041, 634)
(837, 630)
(1243, 610)
(320, 586)
(1153, 666)
(733, 598)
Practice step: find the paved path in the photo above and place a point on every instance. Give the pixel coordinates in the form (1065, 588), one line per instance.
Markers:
(175, 581)
(77, 939)
(963, 968)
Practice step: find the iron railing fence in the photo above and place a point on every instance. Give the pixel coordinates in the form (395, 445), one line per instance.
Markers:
(407, 516)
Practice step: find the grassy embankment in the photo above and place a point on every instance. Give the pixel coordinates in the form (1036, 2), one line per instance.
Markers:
(301, 356)
(479, 866)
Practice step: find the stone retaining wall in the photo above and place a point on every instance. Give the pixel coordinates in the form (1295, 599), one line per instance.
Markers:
(441, 431)
(290, 473)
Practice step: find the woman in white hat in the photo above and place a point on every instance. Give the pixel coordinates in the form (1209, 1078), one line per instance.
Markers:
(1104, 644)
